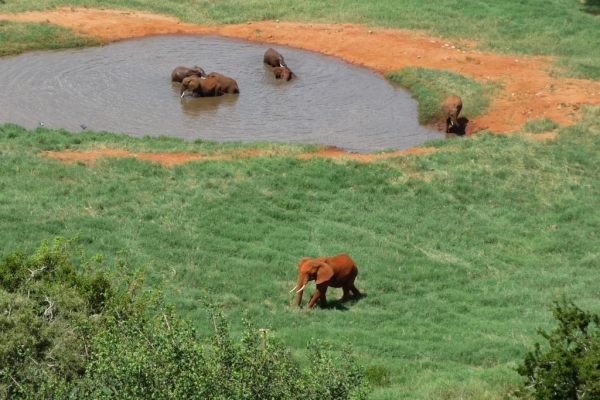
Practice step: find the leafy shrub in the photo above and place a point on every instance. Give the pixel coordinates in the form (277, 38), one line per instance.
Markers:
(570, 367)
(164, 360)
(47, 313)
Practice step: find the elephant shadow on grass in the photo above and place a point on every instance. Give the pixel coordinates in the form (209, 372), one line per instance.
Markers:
(337, 304)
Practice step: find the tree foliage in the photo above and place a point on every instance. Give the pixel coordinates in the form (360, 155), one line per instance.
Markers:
(570, 367)
(81, 334)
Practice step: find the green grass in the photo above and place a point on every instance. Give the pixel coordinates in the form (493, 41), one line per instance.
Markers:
(539, 125)
(43, 139)
(431, 86)
(566, 29)
(17, 37)
(460, 252)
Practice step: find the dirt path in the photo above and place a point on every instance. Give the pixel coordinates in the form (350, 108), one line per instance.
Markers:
(528, 91)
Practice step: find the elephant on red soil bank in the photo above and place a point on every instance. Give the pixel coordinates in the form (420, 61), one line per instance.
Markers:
(337, 271)
(450, 110)
(200, 87)
(228, 85)
(181, 72)
(273, 58)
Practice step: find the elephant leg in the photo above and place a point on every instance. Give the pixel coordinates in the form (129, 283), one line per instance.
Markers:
(354, 291)
(320, 294)
(323, 301)
(346, 290)
(314, 298)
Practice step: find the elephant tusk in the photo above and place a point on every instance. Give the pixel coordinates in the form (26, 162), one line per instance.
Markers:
(293, 288)
(299, 290)
(182, 95)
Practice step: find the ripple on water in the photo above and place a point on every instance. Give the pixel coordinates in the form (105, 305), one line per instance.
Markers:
(125, 87)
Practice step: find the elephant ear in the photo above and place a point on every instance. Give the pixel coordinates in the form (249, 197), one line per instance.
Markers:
(305, 259)
(324, 273)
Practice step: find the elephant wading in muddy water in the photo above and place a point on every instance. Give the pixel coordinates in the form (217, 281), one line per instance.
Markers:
(273, 58)
(200, 87)
(228, 85)
(181, 72)
(450, 110)
(337, 271)
(283, 73)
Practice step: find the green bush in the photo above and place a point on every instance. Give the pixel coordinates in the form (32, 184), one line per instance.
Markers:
(570, 367)
(164, 360)
(47, 312)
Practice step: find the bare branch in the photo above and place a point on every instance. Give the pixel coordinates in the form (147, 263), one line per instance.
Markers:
(35, 271)
(48, 312)
(167, 322)
(17, 383)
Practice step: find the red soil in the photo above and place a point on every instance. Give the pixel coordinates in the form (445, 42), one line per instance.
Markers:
(170, 159)
(528, 91)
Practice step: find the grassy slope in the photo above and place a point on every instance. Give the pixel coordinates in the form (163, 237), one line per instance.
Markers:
(17, 37)
(556, 27)
(460, 252)
(431, 86)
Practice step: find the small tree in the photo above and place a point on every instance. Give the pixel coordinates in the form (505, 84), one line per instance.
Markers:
(570, 367)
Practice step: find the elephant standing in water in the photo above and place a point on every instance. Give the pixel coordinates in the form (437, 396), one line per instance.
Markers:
(200, 87)
(337, 271)
(181, 72)
(228, 85)
(283, 73)
(273, 58)
(450, 110)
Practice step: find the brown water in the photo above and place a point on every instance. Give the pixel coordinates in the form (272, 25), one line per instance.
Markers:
(125, 87)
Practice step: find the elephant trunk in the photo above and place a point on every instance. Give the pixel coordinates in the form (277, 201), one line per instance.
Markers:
(453, 119)
(302, 281)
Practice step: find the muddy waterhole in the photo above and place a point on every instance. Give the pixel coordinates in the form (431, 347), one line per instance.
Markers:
(125, 87)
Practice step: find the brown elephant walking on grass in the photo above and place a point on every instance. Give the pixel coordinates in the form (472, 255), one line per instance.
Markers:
(200, 87)
(337, 271)
(450, 110)
(273, 58)
(228, 85)
(181, 72)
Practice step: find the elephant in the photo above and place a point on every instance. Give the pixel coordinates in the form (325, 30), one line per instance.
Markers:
(450, 110)
(283, 73)
(200, 87)
(228, 85)
(181, 72)
(273, 58)
(337, 271)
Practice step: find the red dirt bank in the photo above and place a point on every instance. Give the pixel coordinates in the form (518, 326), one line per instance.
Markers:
(528, 91)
